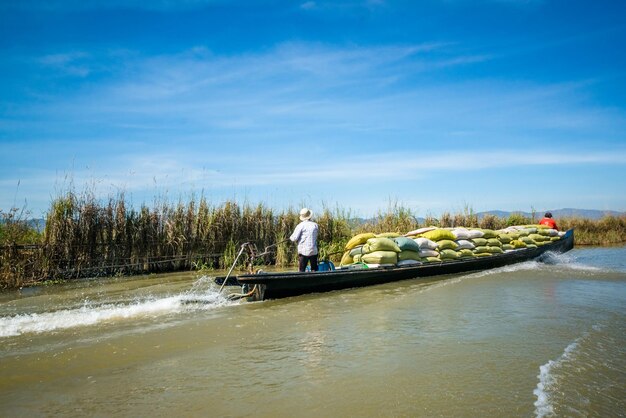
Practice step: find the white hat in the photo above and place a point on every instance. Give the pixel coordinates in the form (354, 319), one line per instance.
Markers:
(305, 214)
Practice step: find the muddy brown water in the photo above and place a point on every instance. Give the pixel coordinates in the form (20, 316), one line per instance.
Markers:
(532, 339)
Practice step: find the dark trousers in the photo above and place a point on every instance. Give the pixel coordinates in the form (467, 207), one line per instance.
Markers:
(303, 261)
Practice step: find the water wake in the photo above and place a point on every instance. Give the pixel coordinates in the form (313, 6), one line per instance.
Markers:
(547, 382)
(201, 296)
(561, 262)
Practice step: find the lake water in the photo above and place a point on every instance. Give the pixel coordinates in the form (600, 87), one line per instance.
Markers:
(527, 340)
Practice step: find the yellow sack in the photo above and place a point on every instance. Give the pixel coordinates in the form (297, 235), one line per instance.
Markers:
(439, 234)
(359, 239)
(516, 243)
(346, 259)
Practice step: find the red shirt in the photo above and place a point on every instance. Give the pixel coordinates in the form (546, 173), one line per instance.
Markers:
(548, 222)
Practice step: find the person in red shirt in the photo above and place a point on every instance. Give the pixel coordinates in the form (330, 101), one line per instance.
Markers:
(548, 221)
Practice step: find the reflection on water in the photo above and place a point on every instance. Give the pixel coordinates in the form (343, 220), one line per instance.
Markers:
(530, 339)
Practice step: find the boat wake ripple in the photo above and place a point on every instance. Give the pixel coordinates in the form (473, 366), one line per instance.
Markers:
(549, 262)
(548, 382)
(587, 378)
(202, 296)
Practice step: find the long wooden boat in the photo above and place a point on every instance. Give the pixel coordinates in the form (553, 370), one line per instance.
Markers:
(277, 285)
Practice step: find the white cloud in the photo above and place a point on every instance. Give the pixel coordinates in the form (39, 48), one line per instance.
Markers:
(70, 63)
(198, 120)
(309, 5)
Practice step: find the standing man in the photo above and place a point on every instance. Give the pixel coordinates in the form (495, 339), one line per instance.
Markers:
(548, 221)
(305, 235)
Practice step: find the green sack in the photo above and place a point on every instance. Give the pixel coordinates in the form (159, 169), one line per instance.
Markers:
(531, 246)
(479, 242)
(494, 242)
(432, 259)
(481, 249)
(388, 235)
(439, 234)
(555, 238)
(466, 252)
(446, 244)
(527, 240)
(409, 255)
(507, 247)
(449, 255)
(505, 238)
(489, 233)
(482, 254)
(359, 239)
(538, 237)
(356, 250)
(495, 250)
(405, 243)
(380, 244)
(380, 257)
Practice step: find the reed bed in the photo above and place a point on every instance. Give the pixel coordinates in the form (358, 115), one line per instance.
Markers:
(85, 237)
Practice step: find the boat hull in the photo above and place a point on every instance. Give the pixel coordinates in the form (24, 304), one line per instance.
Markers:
(279, 285)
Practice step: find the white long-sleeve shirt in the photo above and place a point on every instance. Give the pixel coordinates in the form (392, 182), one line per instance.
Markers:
(305, 235)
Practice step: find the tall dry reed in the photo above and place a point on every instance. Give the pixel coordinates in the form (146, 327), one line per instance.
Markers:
(87, 237)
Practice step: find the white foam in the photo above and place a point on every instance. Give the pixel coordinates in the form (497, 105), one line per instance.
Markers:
(547, 382)
(524, 266)
(565, 262)
(90, 314)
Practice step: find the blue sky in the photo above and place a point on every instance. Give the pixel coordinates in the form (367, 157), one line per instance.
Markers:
(436, 105)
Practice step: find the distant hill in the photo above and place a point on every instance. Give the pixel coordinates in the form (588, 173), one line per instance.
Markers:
(557, 213)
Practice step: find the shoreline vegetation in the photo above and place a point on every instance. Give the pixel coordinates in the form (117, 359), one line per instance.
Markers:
(85, 237)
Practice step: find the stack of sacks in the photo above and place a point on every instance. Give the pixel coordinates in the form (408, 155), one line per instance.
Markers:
(409, 251)
(465, 247)
(506, 239)
(539, 239)
(378, 251)
(446, 246)
(353, 247)
(416, 232)
(452, 244)
(531, 236)
(433, 244)
(428, 249)
(480, 240)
